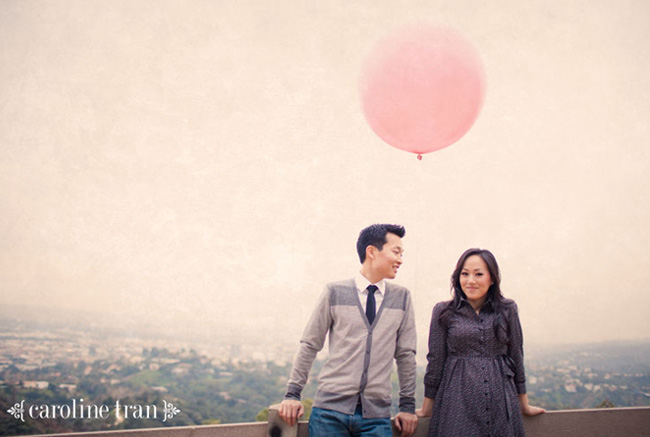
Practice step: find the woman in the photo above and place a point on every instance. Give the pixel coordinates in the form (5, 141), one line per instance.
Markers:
(475, 383)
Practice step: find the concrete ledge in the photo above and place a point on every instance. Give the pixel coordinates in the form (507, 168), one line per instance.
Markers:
(257, 429)
(608, 422)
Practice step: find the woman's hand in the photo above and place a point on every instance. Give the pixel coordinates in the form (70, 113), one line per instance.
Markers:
(527, 409)
(530, 410)
(427, 408)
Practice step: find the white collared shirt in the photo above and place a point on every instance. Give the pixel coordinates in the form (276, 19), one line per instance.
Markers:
(362, 286)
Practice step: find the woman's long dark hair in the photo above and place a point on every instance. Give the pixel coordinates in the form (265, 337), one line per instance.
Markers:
(500, 304)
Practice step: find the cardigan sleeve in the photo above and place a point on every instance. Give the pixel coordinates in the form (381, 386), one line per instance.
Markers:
(312, 342)
(405, 358)
(437, 354)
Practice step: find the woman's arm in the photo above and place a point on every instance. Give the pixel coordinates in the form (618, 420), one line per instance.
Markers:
(436, 358)
(437, 355)
(427, 408)
(527, 409)
(516, 353)
(516, 348)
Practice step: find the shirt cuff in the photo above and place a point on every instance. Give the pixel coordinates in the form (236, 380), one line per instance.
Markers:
(293, 392)
(407, 405)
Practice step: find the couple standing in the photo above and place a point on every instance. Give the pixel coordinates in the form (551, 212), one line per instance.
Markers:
(475, 369)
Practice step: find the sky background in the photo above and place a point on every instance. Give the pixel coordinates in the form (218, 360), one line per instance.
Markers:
(205, 166)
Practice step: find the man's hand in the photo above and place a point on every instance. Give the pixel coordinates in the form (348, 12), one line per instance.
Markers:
(406, 422)
(291, 410)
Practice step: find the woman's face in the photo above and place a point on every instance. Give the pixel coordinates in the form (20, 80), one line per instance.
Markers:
(475, 280)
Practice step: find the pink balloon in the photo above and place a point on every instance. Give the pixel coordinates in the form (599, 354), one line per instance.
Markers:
(422, 88)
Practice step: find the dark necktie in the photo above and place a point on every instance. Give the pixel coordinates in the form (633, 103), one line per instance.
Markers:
(370, 303)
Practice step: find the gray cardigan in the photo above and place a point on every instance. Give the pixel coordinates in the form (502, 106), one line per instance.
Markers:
(360, 355)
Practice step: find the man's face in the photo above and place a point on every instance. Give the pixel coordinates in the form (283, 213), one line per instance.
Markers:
(388, 260)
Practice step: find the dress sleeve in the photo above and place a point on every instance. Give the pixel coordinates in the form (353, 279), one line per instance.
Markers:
(312, 341)
(437, 352)
(516, 349)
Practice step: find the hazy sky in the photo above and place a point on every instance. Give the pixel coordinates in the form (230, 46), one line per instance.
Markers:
(206, 164)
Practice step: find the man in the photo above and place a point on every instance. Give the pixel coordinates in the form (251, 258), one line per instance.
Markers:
(370, 322)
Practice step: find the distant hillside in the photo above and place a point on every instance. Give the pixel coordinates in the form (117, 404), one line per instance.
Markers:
(619, 356)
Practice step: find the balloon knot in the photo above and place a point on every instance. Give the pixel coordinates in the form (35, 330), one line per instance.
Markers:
(420, 157)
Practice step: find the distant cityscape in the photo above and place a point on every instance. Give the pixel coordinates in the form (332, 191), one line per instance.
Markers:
(225, 383)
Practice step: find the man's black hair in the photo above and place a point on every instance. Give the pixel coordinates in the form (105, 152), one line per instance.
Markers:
(375, 235)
